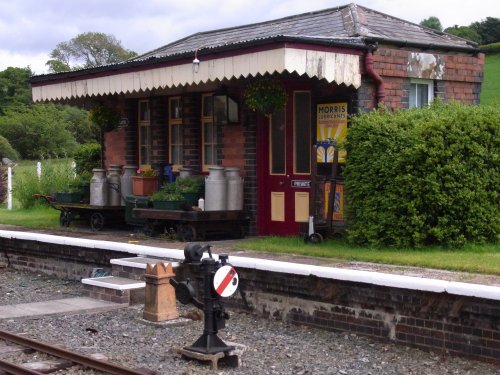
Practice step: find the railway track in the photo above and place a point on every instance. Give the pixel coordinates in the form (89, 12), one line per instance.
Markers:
(55, 359)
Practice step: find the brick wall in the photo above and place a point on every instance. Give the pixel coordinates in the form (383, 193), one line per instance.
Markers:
(445, 323)
(457, 77)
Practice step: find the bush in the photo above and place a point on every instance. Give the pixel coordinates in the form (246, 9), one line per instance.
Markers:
(87, 157)
(424, 176)
(491, 49)
(6, 150)
(38, 131)
(57, 176)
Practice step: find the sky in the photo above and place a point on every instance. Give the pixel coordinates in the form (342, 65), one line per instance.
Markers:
(31, 29)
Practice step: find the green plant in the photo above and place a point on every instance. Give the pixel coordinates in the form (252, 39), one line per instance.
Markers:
(87, 157)
(265, 96)
(165, 195)
(190, 184)
(105, 117)
(57, 176)
(148, 172)
(424, 176)
(6, 150)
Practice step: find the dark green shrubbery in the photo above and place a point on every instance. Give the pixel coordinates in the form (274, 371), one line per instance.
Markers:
(6, 150)
(87, 157)
(491, 49)
(424, 176)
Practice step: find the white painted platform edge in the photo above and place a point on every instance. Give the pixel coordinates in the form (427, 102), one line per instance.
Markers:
(129, 262)
(101, 281)
(376, 278)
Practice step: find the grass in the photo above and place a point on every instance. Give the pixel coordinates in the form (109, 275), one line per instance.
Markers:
(39, 216)
(490, 93)
(471, 258)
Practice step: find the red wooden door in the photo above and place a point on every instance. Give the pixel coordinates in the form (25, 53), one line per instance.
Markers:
(284, 164)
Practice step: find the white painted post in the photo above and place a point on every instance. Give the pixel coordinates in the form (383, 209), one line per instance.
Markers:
(39, 169)
(9, 188)
(73, 168)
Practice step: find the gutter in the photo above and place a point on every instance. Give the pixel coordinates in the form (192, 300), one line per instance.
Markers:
(379, 82)
(470, 48)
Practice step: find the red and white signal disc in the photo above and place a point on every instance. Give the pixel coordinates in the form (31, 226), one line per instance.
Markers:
(226, 281)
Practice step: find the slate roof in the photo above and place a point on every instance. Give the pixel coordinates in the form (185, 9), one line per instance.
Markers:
(346, 25)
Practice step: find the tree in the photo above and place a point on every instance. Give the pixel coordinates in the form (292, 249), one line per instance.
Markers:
(15, 90)
(465, 32)
(432, 23)
(37, 131)
(88, 50)
(488, 30)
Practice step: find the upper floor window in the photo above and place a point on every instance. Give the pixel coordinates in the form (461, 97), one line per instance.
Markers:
(176, 139)
(421, 93)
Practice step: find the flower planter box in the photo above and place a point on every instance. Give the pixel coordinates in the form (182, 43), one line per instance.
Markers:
(168, 205)
(144, 185)
(64, 197)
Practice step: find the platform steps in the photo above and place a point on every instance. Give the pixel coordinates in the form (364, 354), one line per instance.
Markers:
(126, 282)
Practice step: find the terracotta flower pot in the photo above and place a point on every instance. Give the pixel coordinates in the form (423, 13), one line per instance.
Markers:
(144, 185)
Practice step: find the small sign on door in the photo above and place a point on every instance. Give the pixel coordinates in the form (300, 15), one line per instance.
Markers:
(301, 184)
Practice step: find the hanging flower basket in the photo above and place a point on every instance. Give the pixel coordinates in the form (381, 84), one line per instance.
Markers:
(265, 96)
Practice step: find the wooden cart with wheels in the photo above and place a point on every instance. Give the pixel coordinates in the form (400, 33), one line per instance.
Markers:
(193, 225)
(96, 216)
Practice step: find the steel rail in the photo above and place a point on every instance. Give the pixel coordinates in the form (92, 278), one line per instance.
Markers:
(62, 353)
(13, 369)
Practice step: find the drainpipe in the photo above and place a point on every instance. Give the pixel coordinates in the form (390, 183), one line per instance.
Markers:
(380, 92)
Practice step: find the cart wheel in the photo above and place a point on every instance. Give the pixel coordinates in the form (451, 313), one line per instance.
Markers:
(315, 238)
(64, 220)
(187, 232)
(149, 229)
(96, 221)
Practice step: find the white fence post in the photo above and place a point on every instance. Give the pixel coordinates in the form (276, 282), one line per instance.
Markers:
(39, 169)
(9, 188)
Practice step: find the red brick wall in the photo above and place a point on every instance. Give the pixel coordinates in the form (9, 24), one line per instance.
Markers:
(233, 146)
(461, 79)
(115, 146)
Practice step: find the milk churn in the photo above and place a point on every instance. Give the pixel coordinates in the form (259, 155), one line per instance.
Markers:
(126, 181)
(215, 190)
(114, 185)
(234, 189)
(99, 188)
(185, 172)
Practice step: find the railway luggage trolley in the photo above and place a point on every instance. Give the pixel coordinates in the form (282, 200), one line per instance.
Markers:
(96, 216)
(193, 225)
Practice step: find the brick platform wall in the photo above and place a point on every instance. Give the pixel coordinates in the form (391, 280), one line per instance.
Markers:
(458, 325)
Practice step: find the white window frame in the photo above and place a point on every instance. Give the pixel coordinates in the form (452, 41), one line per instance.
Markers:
(414, 83)
(207, 120)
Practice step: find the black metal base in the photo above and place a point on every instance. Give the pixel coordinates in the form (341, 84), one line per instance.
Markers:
(209, 344)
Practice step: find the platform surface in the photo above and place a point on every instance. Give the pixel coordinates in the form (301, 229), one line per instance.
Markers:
(66, 305)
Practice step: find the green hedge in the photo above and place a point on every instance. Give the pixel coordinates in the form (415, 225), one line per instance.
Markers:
(491, 49)
(424, 176)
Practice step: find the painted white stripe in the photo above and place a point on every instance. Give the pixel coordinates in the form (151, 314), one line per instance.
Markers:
(376, 278)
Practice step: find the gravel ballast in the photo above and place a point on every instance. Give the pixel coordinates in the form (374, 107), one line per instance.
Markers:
(273, 347)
